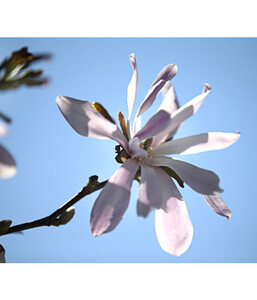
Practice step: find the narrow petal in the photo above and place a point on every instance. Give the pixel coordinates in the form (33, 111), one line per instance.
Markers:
(7, 164)
(135, 150)
(200, 180)
(217, 204)
(173, 227)
(113, 200)
(166, 74)
(136, 125)
(133, 85)
(154, 126)
(150, 194)
(197, 143)
(169, 103)
(181, 115)
(85, 120)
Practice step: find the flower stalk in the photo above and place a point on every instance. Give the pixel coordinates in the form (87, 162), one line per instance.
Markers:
(92, 186)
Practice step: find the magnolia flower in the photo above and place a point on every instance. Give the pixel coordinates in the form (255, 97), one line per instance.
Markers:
(7, 164)
(142, 153)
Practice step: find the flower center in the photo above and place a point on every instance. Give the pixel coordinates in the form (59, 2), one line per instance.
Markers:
(149, 151)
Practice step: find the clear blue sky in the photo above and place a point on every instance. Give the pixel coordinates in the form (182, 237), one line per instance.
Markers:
(55, 162)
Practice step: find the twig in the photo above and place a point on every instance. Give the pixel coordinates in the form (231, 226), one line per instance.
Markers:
(92, 186)
(5, 118)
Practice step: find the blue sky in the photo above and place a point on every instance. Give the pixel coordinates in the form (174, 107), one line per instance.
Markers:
(55, 162)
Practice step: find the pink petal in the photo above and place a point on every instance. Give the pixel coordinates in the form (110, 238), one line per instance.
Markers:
(150, 194)
(173, 227)
(133, 85)
(84, 119)
(169, 103)
(7, 164)
(181, 115)
(135, 150)
(197, 143)
(136, 125)
(217, 204)
(154, 126)
(202, 181)
(166, 74)
(113, 200)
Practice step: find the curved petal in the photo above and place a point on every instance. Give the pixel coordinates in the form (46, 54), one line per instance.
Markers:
(173, 227)
(85, 120)
(197, 143)
(156, 124)
(181, 115)
(135, 150)
(113, 200)
(150, 194)
(133, 85)
(217, 204)
(7, 164)
(202, 181)
(166, 74)
(169, 102)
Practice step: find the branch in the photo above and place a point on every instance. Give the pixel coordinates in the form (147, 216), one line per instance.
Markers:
(5, 118)
(92, 186)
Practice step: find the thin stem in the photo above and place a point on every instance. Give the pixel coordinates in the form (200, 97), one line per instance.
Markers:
(5, 118)
(92, 186)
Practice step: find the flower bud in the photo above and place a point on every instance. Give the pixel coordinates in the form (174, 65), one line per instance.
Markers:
(4, 226)
(65, 217)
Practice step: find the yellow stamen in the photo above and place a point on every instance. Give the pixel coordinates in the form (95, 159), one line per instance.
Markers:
(99, 108)
(123, 124)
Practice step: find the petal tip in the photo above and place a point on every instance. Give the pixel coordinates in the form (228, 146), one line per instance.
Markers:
(207, 87)
(9, 172)
(228, 216)
(58, 99)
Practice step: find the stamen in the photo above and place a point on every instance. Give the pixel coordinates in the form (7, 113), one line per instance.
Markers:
(99, 108)
(123, 124)
(146, 145)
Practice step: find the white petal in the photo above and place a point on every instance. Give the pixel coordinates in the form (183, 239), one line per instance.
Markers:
(173, 227)
(169, 103)
(217, 204)
(202, 181)
(181, 115)
(133, 85)
(85, 120)
(113, 200)
(135, 150)
(3, 130)
(156, 124)
(166, 74)
(197, 143)
(7, 164)
(150, 193)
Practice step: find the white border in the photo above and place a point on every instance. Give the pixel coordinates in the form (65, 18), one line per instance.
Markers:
(115, 18)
